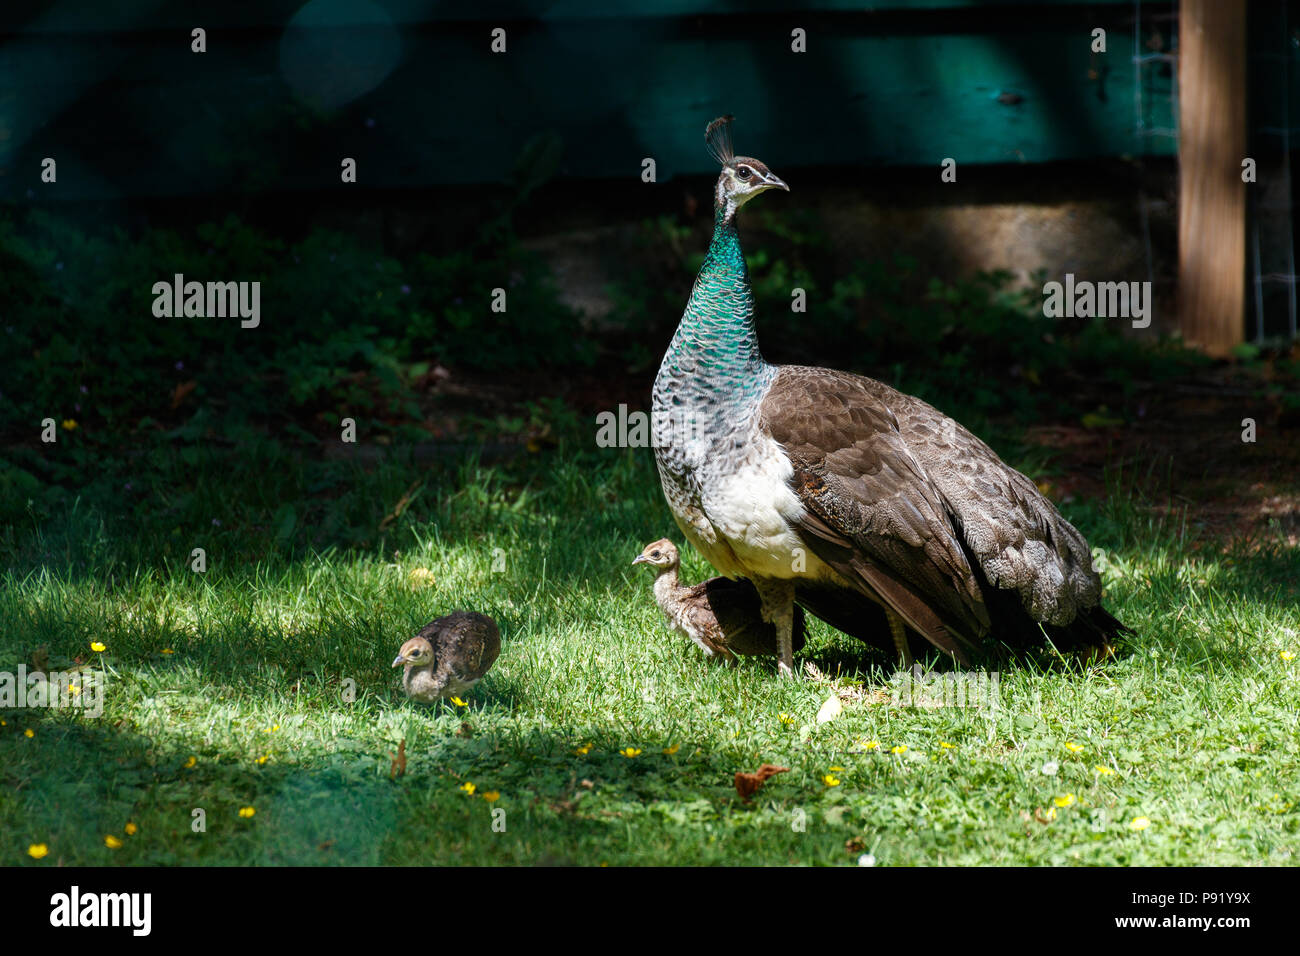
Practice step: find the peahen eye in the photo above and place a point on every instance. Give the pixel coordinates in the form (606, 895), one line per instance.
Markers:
(744, 172)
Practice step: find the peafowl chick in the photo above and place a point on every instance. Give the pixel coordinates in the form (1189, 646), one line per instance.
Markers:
(448, 656)
(722, 616)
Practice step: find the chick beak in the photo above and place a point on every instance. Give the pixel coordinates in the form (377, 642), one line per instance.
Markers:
(640, 559)
(399, 661)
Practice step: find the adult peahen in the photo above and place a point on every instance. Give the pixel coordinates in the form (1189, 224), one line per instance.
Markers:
(841, 494)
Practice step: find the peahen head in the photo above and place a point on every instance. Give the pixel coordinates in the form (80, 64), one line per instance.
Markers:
(743, 177)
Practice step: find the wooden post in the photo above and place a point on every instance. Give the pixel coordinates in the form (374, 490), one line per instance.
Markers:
(1211, 195)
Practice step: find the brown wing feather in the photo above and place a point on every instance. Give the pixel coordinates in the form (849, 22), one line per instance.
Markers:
(872, 514)
(736, 607)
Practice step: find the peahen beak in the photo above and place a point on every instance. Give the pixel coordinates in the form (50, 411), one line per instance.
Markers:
(773, 181)
(399, 661)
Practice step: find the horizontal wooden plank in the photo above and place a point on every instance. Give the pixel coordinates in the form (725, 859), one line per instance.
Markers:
(139, 115)
(99, 16)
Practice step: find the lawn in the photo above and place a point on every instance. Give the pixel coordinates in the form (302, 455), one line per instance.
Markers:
(251, 715)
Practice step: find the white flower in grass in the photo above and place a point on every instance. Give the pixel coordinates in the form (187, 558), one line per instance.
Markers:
(866, 860)
(1050, 768)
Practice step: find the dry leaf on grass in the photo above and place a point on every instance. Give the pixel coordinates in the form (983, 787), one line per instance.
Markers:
(830, 710)
(747, 784)
(399, 761)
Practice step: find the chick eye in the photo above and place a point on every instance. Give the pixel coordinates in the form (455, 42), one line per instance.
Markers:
(744, 172)
(654, 554)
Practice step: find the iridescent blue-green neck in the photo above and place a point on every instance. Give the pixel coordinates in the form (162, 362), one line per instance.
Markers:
(716, 345)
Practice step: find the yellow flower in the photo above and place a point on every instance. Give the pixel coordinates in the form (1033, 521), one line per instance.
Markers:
(29, 732)
(70, 424)
(900, 749)
(491, 796)
(669, 751)
(1104, 771)
(246, 812)
(630, 752)
(38, 851)
(831, 781)
(583, 750)
(947, 746)
(468, 787)
(458, 702)
(870, 745)
(1050, 815)
(112, 842)
(263, 759)
(1065, 801)
(98, 647)
(74, 689)
(1139, 823)
(131, 829)
(421, 577)
(837, 769)
(168, 650)
(271, 730)
(1073, 747)
(189, 764)
(1288, 655)
(786, 719)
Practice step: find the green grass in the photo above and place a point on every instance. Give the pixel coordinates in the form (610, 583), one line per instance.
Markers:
(1196, 716)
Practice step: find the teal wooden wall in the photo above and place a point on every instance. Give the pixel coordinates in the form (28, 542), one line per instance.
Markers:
(411, 90)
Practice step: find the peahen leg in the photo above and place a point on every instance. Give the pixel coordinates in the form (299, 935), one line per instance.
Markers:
(900, 638)
(778, 610)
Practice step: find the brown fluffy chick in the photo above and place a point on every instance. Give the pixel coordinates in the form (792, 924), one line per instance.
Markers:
(448, 656)
(722, 616)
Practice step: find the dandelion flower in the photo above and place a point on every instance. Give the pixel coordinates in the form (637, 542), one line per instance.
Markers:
(468, 787)
(669, 751)
(1288, 655)
(786, 719)
(98, 647)
(831, 781)
(1073, 747)
(943, 744)
(168, 650)
(1139, 823)
(837, 769)
(491, 796)
(189, 764)
(263, 759)
(29, 732)
(70, 424)
(1050, 768)
(630, 752)
(1104, 771)
(131, 829)
(870, 745)
(38, 851)
(112, 842)
(900, 749)
(866, 859)
(459, 703)
(247, 812)
(1065, 801)
(583, 750)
